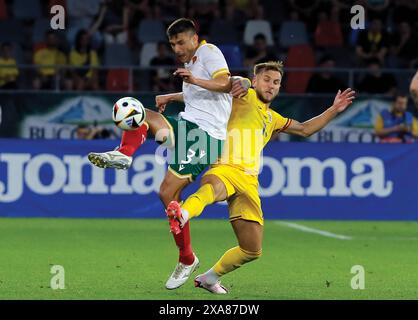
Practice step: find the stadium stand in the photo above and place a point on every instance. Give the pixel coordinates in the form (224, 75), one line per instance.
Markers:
(324, 27)
(299, 56)
(292, 33)
(151, 31)
(254, 27)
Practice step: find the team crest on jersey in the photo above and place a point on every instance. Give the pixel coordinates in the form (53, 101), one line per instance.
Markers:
(194, 59)
(270, 117)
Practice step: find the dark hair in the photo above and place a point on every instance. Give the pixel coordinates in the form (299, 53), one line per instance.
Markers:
(78, 37)
(179, 26)
(82, 72)
(259, 36)
(270, 65)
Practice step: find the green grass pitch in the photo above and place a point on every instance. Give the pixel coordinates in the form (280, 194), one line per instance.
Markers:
(131, 259)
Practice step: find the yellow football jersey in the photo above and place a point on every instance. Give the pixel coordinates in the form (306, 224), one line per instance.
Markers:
(9, 73)
(249, 129)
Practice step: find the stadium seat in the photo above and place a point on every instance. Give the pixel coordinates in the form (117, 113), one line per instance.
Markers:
(117, 55)
(12, 31)
(299, 56)
(253, 27)
(3, 10)
(151, 31)
(117, 80)
(148, 51)
(328, 34)
(22, 11)
(292, 33)
(223, 32)
(232, 55)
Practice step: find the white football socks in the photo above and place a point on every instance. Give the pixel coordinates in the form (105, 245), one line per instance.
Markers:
(211, 277)
(184, 217)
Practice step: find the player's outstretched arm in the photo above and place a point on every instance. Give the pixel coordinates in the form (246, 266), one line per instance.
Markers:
(221, 83)
(413, 89)
(341, 102)
(161, 101)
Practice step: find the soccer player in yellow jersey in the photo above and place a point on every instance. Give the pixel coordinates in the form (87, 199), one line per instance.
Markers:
(235, 176)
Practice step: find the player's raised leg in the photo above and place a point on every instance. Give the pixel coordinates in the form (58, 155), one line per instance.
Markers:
(131, 141)
(212, 190)
(250, 236)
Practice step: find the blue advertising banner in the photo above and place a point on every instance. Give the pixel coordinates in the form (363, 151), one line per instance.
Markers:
(53, 178)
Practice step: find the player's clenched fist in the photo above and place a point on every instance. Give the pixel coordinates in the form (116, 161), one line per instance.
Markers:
(240, 86)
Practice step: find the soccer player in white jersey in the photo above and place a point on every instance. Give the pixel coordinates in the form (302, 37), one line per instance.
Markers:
(206, 87)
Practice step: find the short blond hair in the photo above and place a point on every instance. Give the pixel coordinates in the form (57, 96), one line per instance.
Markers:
(270, 65)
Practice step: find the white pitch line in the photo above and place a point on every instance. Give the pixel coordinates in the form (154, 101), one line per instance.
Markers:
(312, 230)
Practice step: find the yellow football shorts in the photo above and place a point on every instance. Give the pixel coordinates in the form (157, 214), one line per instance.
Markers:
(242, 189)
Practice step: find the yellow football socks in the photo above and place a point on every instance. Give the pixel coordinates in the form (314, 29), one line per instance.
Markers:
(233, 259)
(199, 200)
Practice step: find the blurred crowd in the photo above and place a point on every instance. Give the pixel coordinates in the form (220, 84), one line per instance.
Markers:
(91, 132)
(103, 38)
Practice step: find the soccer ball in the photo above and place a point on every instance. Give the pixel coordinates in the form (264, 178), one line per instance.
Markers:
(128, 113)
